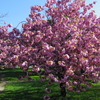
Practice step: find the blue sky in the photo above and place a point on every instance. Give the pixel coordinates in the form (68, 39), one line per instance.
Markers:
(18, 10)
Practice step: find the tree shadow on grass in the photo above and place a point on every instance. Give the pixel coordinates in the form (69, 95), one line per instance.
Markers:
(92, 93)
(22, 95)
(37, 94)
(13, 74)
(33, 90)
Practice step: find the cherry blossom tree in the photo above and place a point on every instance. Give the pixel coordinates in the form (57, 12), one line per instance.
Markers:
(66, 44)
(63, 45)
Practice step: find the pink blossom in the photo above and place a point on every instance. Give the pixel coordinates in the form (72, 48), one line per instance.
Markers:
(46, 97)
(43, 78)
(94, 2)
(24, 63)
(70, 88)
(61, 63)
(9, 25)
(66, 56)
(90, 69)
(50, 63)
(47, 90)
(75, 82)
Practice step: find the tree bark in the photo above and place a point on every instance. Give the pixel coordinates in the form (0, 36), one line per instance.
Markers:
(62, 85)
(63, 90)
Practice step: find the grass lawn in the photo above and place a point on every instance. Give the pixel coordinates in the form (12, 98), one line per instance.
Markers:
(13, 74)
(34, 90)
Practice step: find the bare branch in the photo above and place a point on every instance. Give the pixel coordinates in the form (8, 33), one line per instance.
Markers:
(3, 15)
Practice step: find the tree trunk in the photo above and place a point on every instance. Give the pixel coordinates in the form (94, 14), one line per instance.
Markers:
(62, 85)
(63, 89)
(60, 75)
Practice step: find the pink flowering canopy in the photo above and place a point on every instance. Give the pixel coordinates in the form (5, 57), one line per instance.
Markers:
(63, 45)
(66, 44)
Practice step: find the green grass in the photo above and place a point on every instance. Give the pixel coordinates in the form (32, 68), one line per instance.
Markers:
(34, 90)
(13, 74)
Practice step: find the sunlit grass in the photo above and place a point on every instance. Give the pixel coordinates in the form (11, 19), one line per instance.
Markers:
(34, 90)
